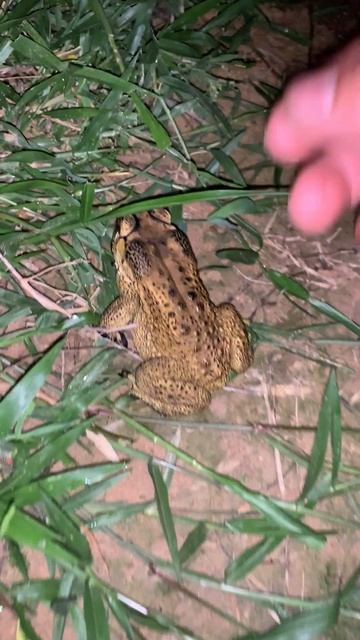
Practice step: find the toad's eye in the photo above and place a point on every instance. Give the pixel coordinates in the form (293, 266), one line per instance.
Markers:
(161, 214)
(124, 226)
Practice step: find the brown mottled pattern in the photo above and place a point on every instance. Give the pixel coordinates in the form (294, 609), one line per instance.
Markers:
(188, 344)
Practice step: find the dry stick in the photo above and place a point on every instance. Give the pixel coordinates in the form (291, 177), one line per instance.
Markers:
(45, 302)
(63, 292)
(67, 263)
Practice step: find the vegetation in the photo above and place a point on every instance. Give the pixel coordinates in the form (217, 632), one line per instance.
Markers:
(87, 89)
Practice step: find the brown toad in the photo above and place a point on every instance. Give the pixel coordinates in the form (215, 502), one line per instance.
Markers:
(188, 345)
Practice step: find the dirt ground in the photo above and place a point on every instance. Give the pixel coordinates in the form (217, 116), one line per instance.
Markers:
(280, 389)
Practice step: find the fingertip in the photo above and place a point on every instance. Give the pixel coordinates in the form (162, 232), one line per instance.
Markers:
(310, 97)
(319, 196)
(282, 140)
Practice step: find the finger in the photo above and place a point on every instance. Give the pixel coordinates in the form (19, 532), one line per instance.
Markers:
(299, 122)
(317, 108)
(319, 197)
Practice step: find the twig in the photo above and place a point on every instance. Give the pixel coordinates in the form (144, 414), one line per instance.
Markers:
(67, 263)
(45, 302)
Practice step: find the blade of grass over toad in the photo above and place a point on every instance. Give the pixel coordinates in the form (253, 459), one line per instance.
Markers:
(97, 627)
(329, 412)
(165, 515)
(187, 197)
(288, 525)
(17, 400)
(166, 200)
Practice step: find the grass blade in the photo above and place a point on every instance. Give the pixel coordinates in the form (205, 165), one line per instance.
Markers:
(32, 590)
(20, 396)
(165, 516)
(40, 459)
(287, 284)
(122, 617)
(86, 201)
(192, 542)
(158, 132)
(335, 428)
(239, 205)
(305, 626)
(250, 558)
(333, 313)
(329, 412)
(25, 630)
(18, 559)
(37, 53)
(97, 627)
(294, 288)
(24, 529)
(70, 530)
(288, 525)
(245, 256)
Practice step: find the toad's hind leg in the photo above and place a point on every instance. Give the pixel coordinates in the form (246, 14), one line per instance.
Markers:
(167, 386)
(241, 351)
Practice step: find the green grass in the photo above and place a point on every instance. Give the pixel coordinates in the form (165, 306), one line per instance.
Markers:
(88, 88)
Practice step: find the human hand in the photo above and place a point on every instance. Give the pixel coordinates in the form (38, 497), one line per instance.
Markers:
(317, 123)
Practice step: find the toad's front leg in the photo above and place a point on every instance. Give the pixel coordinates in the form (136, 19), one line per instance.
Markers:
(167, 385)
(119, 313)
